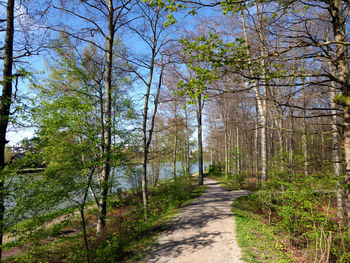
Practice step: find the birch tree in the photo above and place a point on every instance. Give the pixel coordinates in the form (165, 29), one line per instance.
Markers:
(151, 32)
(5, 105)
(19, 25)
(98, 22)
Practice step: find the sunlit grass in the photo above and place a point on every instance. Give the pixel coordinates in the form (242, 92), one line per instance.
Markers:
(259, 241)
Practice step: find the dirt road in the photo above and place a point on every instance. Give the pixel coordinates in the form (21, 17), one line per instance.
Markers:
(203, 232)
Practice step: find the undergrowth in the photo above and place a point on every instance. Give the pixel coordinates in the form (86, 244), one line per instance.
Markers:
(127, 234)
(258, 240)
(295, 215)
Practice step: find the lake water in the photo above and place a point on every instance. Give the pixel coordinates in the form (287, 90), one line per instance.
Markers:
(124, 177)
(122, 180)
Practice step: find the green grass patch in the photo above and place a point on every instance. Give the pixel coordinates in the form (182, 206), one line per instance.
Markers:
(259, 241)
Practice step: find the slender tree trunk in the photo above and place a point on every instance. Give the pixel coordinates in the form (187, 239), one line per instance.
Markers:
(261, 101)
(263, 113)
(148, 139)
(230, 147)
(175, 140)
(342, 72)
(279, 128)
(145, 144)
(155, 163)
(5, 105)
(187, 145)
(102, 124)
(226, 147)
(256, 145)
(108, 123)
(336, 153)
(145, 153)
(280, 140)
(291, 144)
(200, 148)
(175, 157)
(82, 215)
(238, 160)
(304, 136)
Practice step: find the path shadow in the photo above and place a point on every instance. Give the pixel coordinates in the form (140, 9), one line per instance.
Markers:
(174, 248)
(213, 205)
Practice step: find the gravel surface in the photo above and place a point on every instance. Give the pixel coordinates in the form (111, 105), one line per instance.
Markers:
(203, 232)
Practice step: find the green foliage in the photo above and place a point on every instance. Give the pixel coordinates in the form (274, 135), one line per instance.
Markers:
(214, 170)
(259, 241)
(232, 182)
(229, 6)
(69, 144)
(133, 176)
(342, 100)
(171, 6)
(302, 210)
(209, 57)
(127, 235)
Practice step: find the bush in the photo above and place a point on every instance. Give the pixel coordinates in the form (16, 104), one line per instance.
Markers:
(215, 170)
(304, 211)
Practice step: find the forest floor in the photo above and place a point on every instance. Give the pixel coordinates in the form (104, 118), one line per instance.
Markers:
(203, 232)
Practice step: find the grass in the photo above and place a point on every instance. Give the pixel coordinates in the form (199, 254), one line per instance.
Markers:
(259, 241)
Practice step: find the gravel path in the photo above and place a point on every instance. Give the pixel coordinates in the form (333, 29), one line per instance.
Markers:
(203, 232)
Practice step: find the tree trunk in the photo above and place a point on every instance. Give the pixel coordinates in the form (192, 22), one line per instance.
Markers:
(336, 151)
(5, 105)
(82, 215)
(342, 72)
(108, 123)
(238, 160)
(261, 101)
(187, 145)
(145, 140)
(155, 163)
(175, 140)
(200, 148)
(291, 144)
(263, 111)
(148, 139)
(337, 169)
(256, 145)
(304, 136)
(226, 146)
(346, 124)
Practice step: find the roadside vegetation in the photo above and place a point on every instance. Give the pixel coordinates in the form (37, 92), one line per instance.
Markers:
(294, 223)
(127, 235)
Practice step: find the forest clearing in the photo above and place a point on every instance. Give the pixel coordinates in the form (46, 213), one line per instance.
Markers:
(114, 114)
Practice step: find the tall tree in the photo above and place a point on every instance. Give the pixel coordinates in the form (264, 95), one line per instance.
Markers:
(338, 20)
(102, 20)
(5, 105)
(151, 31)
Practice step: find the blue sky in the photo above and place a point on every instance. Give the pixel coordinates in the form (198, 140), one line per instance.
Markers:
(134, 43)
